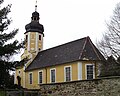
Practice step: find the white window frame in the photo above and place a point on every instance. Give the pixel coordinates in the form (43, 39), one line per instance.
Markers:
(50, 75)
(65, 73)
(28, 46)
(36, 45)
(39, 78)
(93, 70)
(29, 77)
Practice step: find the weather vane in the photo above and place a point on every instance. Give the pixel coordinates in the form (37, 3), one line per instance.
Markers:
(36, 6)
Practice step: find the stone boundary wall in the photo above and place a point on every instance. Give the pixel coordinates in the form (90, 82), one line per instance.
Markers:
(97, 87)
(22, 93)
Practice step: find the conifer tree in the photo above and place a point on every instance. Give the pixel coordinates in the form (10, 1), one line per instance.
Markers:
(8, 46)
(111, 67)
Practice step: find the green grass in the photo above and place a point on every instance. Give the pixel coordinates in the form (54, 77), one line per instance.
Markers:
(2, 93)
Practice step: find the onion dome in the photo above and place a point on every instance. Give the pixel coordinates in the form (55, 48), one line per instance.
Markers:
(34, 25)
(35, 14)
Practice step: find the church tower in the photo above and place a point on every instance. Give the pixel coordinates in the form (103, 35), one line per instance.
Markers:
(33, 44)
(33, 36)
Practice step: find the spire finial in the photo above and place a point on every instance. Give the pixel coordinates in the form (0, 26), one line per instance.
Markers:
(36, 6)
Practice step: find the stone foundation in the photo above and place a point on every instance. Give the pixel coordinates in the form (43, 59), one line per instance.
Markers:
(97, 87)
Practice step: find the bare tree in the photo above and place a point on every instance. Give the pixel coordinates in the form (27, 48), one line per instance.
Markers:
(110, 43)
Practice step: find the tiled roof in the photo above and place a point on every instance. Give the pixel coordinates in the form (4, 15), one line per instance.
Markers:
(81, 49)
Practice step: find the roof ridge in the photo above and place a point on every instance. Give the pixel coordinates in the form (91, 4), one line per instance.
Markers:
(83, 47)
(64, 44)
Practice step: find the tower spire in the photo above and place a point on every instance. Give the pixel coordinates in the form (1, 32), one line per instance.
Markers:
(36, 6)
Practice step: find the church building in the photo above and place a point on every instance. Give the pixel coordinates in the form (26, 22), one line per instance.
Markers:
(72, 61)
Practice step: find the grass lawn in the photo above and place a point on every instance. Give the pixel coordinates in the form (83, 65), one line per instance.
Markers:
(2, 93)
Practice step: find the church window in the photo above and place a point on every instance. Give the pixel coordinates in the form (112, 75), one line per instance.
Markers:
(53, 75)
(89, 71)
(40, 77)
(68, 73)
(39, 37)
(30, 78)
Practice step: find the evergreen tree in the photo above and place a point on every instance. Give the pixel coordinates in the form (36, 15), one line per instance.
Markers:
(111, 67)
(7, 48)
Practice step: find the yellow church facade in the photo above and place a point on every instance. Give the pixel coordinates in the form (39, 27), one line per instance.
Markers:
(72, 61)
(32, 79)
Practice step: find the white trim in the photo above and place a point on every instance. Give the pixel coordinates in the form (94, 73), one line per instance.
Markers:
(65, 73)
(79, 70)
(39, 78)
(28, 41)
(24, 66)
(29, 77)
(41, 41)
(99, 69)
(24, 75)
(55, 74)
(86, 70)
(15, 81)
(36, 42)
(23, 79)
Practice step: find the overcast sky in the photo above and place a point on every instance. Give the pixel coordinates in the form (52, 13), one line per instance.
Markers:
(63, 20)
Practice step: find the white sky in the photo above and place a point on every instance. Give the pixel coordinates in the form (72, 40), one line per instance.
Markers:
(63, 20)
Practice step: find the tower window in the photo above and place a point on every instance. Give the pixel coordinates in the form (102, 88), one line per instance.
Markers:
(39, 37)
